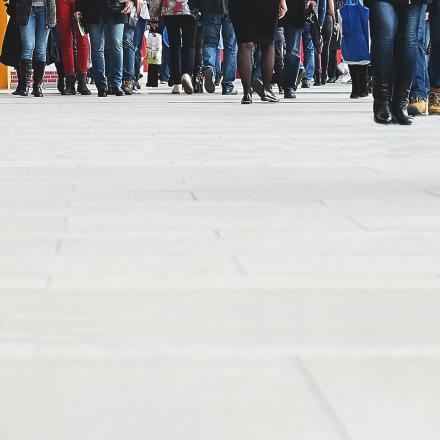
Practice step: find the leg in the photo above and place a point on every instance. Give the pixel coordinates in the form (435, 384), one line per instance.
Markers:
(267, 62)
(244, 63)
(189, 34)
(116, 34)
(97, 41)
(41, 37)
(229, 53)
(27, 33)
(309, 53)
(292, 58)
(64, 21)
(279, 58)
(327, 31)
(175, 36)
(128, 52)
(354, 74)
(211, 40)
(139, 33)
(434, 61)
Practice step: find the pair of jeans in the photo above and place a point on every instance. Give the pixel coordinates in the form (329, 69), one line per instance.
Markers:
(420, 79)
(107, 33)
(215, 25)
(309, 53)
(182, 37)
(65, 11)
(321, 60)
(434, 60)
(34, 35)
(292, 59)
(394, 29)
(139, 33)
(129, 52)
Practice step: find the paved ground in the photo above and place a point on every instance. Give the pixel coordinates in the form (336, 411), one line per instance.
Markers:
(186, 267)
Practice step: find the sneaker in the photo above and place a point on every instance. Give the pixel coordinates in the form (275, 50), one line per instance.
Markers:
(177, 89)
(434, 102)
(305, 84)
(127, 86)
(209, 80)
(229, 90)
(187, 84)
(417, 106)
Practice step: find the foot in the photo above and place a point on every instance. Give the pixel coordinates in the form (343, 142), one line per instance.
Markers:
(102, 93)
(229, 90)
(209, 80)
(434, 102)
(177, 89)
(331, 80)
(305, 84)
(61, 85)
(110, 90)
(187, 84)
(257, 86)
(247, 98)
(127, 86)
(354, 95)
(401, 116)
(417, 106)
(289, 93)
(269, 96)
(382, 113)
(317, 83)
(300, 76)
(118, 91)
(218, 79)
(70, 85)
(38, 90)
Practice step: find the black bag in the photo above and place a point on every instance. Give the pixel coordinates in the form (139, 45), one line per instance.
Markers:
(315, 29)
(115, 6)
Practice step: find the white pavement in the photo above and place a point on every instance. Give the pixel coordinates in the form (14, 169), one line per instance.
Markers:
(187, 267)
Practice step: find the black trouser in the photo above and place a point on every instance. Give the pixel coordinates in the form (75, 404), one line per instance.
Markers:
(280, 48)
(182, 31)
(198, 58)
(321, 60)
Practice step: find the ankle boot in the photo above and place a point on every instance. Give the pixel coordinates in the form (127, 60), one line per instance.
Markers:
(399, 106)
(39, 67)
(20, 84)
(26, 73)
(82, 84)
(354, 74)
(70, 85)
(382, 98)
(363, 82)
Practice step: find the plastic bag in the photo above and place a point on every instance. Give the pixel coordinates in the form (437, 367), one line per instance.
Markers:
(154, 51)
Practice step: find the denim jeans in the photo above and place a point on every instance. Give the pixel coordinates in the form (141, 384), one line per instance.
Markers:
(129, 52)
(213, 26)
(434, 60)
(34, 35)
(139, 33)
(107, 30)
(309, 53)
(420, 79)
(292, 58)
(394, 41)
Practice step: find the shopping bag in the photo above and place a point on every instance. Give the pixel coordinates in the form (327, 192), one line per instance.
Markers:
(355, 43)
(154, 50)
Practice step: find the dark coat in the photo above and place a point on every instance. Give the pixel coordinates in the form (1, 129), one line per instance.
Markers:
(24, 11)
(214, 6)
(11, 49)
(93, 10)
(296, 14)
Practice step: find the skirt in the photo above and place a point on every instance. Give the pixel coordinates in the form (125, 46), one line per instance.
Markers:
(254, 21)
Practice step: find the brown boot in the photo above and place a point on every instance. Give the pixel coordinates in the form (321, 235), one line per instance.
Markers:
(417, 106)
(434, 102)
(127, 86)
(82, 84)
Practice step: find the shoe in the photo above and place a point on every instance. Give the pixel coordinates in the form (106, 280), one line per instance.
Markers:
(331, 80)
(26, 73)
(300, 76)
(82, 84)
(305, 84)
(417, 106)
(20, 85)
(70, 85)
(280, 90)
(317, 83)
(118, 91)
(127, 86)
(269, 96)
(110, 90)
(257, 86)
(187, 84)
(39, 67)
(197, 82)
(229, 90)
(247, 98)
(102, 93)
(137, 85)
(381, 106)
(177, 89)
(399, 106)
(364, 89)
(354, 95)
(209, 80)
(289, 93)
(434, 101)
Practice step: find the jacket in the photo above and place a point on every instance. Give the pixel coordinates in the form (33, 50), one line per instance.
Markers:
(93, 10)
(170, 7)
(23, 12)
(296, 14)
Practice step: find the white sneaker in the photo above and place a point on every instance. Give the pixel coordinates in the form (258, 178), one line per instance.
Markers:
(177, 89)
(187, 84)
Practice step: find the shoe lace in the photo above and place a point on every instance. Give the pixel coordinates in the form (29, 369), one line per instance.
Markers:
(416, 99)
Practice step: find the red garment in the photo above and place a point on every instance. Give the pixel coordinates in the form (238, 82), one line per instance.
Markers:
(65, 10)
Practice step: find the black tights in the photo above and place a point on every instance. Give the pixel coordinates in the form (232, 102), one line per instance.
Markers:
(244, 62)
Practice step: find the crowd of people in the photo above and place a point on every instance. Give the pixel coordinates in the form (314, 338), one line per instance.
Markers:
(262, 40)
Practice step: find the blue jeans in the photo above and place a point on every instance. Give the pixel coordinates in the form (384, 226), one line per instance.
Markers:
(394, 41)
(213, 25)
(129, 52)
(107, 30)
(292, 59)
(434, 60)
(309, 53)
(420, 79)
(139, 33)
(34, 35)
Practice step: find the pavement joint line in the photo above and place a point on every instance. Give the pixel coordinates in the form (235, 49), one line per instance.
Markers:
(358, 223)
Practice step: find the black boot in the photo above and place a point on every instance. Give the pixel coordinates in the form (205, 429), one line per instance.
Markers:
(354, 73)
(39, 67)
(382, 98)
(26, 73)
(61, 82)
(363, 82)
(70, 85)
(399, 106)
(82, 84)
(20, 84)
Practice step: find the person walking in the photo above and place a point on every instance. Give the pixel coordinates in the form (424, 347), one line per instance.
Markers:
(216, 23)
(394, 26)
(256, 21)
(34, 17)
(180, 20)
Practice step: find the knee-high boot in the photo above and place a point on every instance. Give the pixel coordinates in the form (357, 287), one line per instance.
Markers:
(39, 67)
(26, 74)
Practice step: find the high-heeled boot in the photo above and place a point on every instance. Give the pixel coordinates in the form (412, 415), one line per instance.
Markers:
(39, 67)
(26, 74)
(70, 85)
(20, 85)
(382, 98)
(399, 106)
